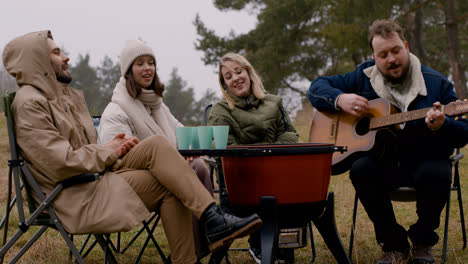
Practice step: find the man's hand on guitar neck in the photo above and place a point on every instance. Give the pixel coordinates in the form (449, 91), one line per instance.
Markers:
(353, 104)
(434, 117)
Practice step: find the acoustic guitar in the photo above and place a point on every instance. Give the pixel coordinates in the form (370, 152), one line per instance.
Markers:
(359, 133)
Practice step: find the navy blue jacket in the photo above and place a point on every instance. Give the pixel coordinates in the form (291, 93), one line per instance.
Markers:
(416, 140)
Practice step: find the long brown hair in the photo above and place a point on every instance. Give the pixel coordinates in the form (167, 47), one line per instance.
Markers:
(135, 90)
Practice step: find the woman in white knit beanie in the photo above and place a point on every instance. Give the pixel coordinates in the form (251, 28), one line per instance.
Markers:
(137, 109)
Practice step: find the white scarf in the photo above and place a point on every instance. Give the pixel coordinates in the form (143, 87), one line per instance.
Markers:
(160, 122)
(410, 88)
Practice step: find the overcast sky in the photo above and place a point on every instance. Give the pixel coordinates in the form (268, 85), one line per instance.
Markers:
(101, 27)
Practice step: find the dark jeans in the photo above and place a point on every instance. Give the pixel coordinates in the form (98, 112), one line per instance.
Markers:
(373, 178)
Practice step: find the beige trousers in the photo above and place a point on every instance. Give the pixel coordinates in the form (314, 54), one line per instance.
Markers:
(201, 243)
(164, 180)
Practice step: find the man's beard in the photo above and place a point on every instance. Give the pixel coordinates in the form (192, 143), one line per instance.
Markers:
(63, 78)
(398, 80)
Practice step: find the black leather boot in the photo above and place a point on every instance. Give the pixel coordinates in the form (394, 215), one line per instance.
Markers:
(422, 254)
(222, 228)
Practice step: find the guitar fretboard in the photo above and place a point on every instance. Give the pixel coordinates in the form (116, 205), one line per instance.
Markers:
(383, 121)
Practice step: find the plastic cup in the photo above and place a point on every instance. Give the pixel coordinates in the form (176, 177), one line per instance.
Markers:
(184, 137)
(195, 142)
(220, 135)
(205, 136)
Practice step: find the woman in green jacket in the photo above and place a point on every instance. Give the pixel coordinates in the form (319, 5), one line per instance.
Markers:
(253, 116)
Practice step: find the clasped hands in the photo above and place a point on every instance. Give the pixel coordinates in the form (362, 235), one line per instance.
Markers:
(121, 144)
(357, 105)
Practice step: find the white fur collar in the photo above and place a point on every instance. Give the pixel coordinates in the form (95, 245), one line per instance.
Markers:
(403, 98)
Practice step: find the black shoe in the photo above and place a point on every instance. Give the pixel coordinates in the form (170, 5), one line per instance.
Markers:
(256, 254)
(285, 255)
(255, 251)
(422, 254)
(393, 257)
(222, 228)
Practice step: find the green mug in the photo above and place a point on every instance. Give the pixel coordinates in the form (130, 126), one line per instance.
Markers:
(205, 136)
(184, 137)
(220, 135)
(195, 141)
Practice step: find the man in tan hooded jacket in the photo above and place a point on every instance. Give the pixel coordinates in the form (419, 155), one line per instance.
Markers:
(58, 140)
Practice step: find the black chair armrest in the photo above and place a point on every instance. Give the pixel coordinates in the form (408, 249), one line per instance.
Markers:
(455, 158)
(210, 161)
(82, 178)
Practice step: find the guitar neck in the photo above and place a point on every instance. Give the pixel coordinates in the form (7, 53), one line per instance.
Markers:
(383, 121)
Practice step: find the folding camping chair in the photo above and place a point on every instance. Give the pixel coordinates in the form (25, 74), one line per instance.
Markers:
(42, 215)
(408, 194)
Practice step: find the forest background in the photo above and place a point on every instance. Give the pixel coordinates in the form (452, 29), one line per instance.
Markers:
(294, 42)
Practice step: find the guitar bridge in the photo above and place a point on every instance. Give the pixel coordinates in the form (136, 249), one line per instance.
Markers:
(333, 129)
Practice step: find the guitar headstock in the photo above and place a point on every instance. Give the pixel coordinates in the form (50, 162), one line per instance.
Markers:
(457, 108)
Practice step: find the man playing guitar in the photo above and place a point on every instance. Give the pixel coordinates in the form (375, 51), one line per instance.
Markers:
(419, 156)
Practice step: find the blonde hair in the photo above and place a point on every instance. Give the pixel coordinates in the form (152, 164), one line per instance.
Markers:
(256, 84)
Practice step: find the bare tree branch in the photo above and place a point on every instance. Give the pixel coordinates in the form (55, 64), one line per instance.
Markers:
(295, 89)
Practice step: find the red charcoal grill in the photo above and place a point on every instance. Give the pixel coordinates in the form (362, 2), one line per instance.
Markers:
(292, 179)
(287, 184)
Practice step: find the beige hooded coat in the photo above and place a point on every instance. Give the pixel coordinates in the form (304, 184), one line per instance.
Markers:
(58, 140)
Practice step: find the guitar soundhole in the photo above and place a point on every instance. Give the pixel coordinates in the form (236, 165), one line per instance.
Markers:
(362, 126)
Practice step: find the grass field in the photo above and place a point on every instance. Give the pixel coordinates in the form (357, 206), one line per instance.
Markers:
(51, 249)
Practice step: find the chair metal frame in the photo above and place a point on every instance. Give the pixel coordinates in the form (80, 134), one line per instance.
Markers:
(149, 226)
(20, 176)
(404, 194)
(42, 215)
(153, 221)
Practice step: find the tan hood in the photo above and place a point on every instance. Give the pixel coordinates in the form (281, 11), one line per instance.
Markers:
(30, 54)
